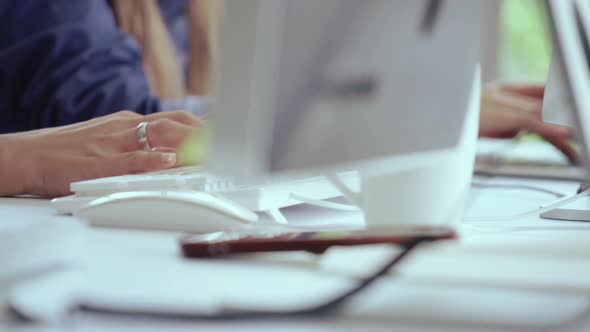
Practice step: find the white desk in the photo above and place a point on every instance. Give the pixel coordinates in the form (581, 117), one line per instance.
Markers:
(523, 275)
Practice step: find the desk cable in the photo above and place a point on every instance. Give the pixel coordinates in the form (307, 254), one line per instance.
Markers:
(329, 307)
(545, 208)
(476, 184)
(356, 199)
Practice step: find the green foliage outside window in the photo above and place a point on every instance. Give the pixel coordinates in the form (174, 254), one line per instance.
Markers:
(525, 48)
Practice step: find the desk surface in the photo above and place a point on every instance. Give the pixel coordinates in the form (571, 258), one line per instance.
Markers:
(524, 274)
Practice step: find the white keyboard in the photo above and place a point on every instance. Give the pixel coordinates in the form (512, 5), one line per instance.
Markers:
(525, 158)
(268, 196)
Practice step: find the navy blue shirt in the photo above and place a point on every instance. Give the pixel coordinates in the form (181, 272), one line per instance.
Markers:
(65, 61)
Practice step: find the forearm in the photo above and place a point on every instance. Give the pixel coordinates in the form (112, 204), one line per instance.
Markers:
(205, 21)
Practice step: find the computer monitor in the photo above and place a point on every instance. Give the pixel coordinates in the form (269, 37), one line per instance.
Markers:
(557, 108)
(569, 82)
(570, 27)
(320, 85)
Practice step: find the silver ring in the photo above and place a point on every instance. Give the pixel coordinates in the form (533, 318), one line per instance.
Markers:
(142, 137)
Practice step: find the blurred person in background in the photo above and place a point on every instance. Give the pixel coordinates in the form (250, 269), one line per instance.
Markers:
(63, 61)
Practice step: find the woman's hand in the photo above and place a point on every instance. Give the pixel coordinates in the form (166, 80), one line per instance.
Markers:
(507, 109)
(45, 162)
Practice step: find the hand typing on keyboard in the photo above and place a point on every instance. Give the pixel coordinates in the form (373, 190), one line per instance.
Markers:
(45, 162)
(508, 109)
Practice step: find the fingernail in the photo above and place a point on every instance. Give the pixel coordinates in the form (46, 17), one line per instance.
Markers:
(169, 158)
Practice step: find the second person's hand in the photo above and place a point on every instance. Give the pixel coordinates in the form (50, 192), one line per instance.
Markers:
(507, 109)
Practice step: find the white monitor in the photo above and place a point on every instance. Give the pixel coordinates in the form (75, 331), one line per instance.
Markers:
(557, 107)
(569, 82)
(319, 85)
(568, 87)
(307, 84)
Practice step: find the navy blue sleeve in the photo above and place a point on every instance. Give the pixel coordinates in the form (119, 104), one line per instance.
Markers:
(64, 61)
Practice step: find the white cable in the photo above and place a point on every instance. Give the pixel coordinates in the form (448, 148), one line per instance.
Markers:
(517, 187)
(325, 204)
(543, 209)
(353, 197)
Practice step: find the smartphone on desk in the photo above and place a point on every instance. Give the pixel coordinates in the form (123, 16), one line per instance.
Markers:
(227, 243)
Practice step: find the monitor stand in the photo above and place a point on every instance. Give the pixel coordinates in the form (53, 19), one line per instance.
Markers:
(428, 188)
(432, 194)
(578, 210)
(567, 215)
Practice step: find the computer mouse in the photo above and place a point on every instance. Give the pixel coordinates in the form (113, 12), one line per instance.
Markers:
(190, 211)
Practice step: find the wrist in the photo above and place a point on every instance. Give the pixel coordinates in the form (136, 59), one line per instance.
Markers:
(14, 170)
